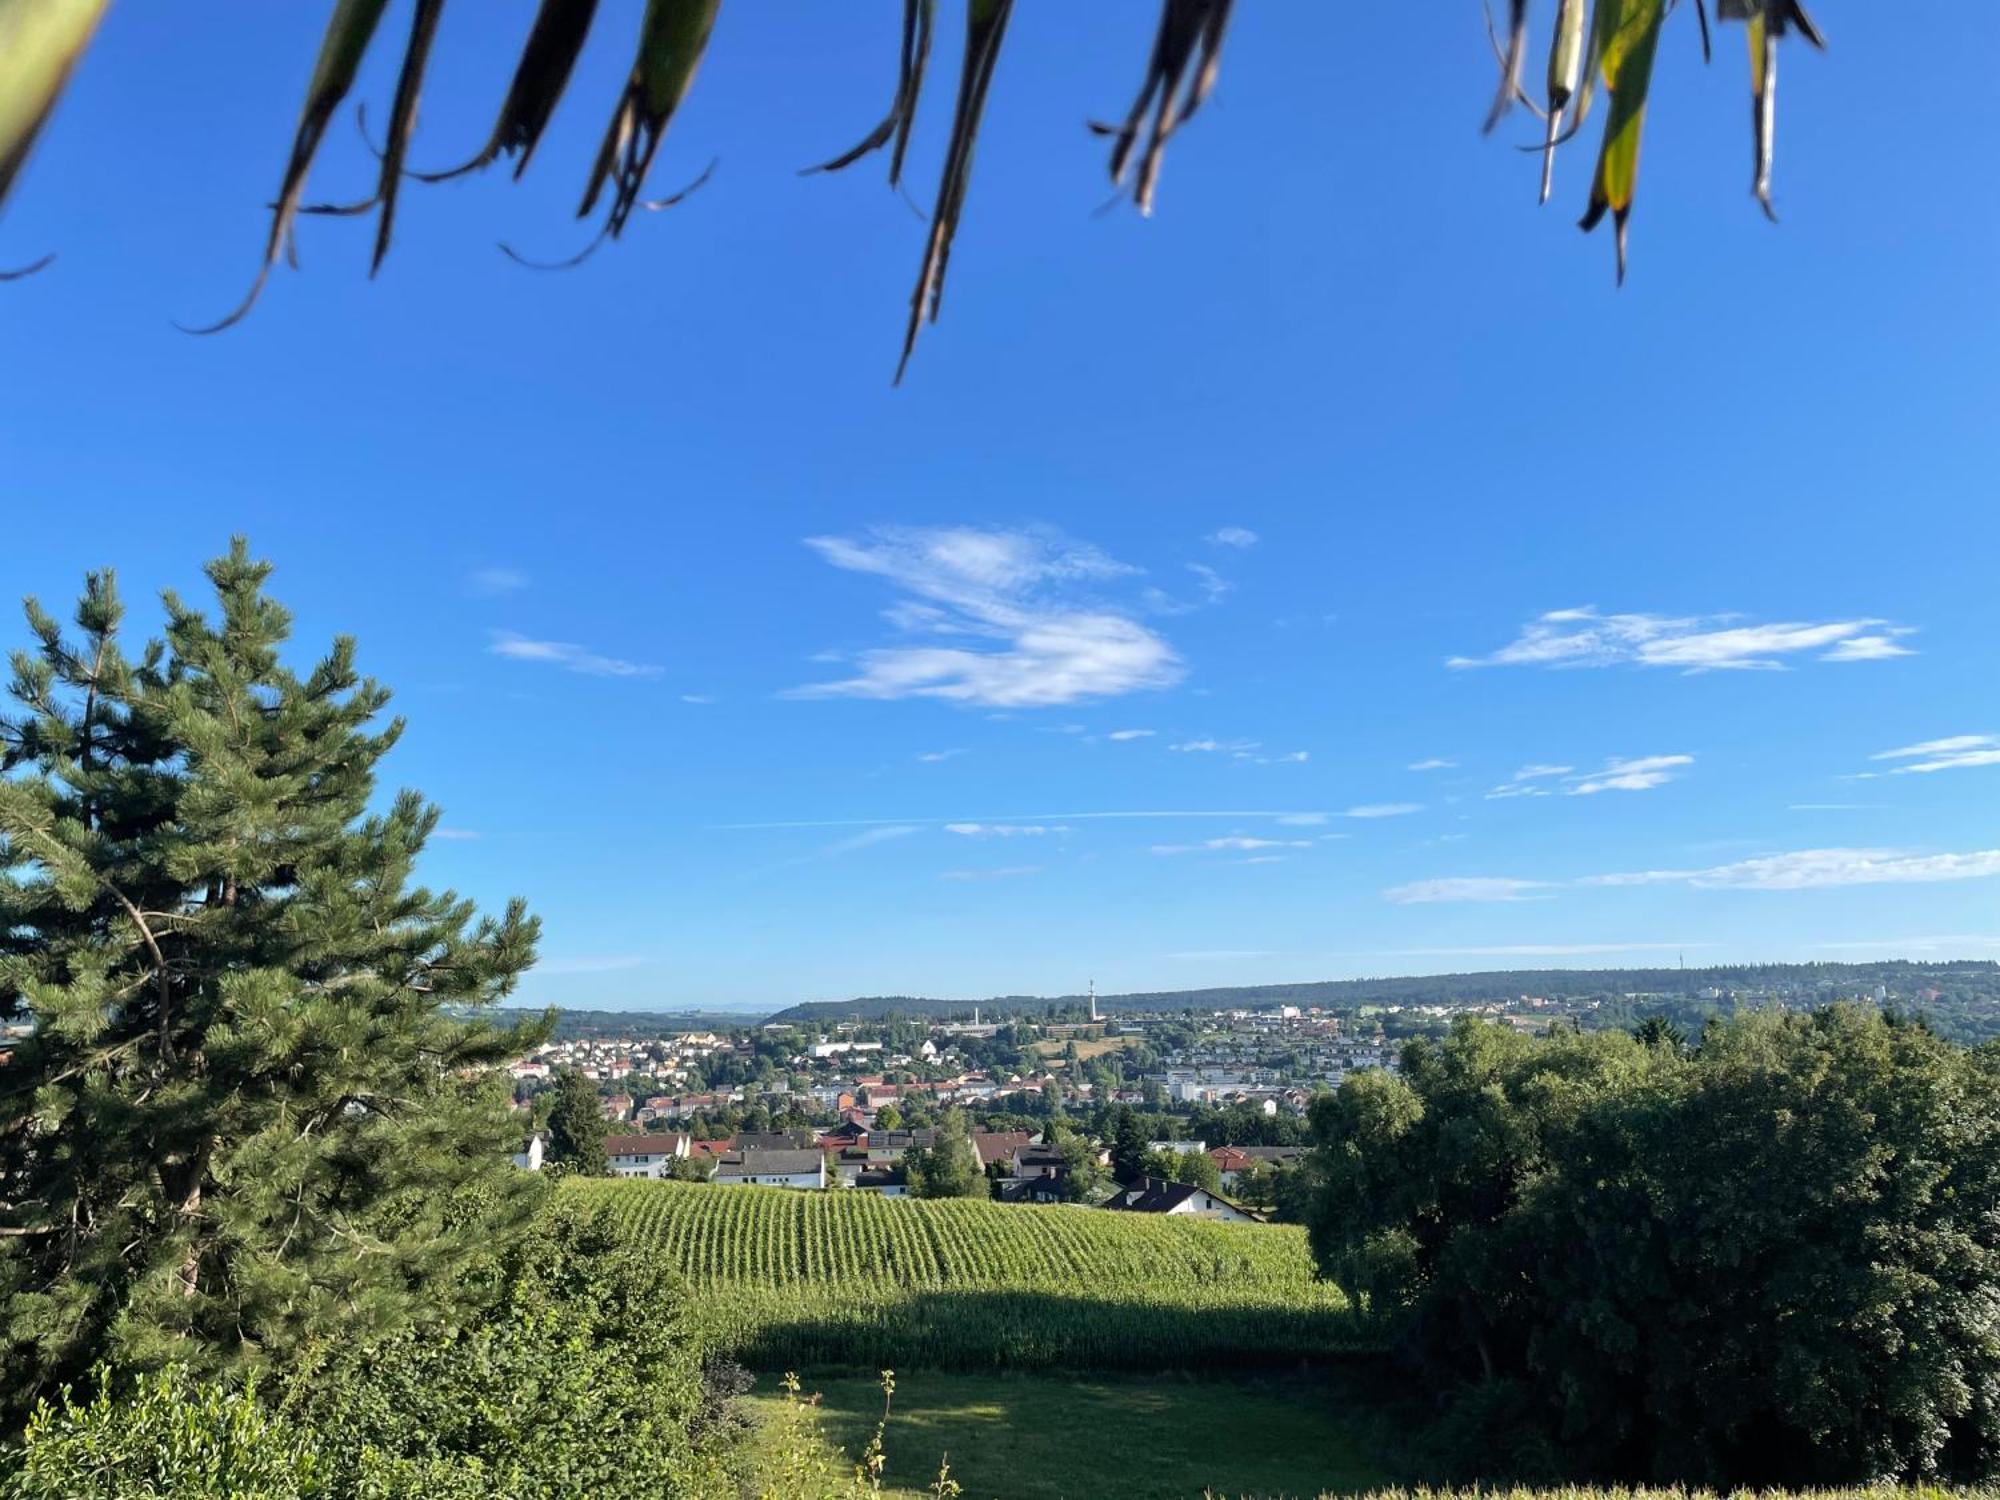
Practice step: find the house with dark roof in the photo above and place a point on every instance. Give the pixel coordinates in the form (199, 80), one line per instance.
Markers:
(1000, 1146)
(774, 1140)
(645, 1155)
(1152, 1195)
(1047, 1189)
(796, 1169)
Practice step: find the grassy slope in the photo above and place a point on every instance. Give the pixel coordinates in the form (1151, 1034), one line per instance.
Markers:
(1012, 1437)
(810, 1280)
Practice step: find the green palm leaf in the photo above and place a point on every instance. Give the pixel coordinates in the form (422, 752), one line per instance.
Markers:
(40, 42)
(1631, 42)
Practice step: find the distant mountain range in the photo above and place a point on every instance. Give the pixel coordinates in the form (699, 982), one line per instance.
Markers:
(1905, 981)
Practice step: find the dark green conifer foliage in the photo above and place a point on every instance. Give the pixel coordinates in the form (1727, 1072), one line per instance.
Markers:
(576, 1126)
(254, 1108)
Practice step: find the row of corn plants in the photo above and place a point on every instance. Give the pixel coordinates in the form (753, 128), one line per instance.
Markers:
(787, 1278)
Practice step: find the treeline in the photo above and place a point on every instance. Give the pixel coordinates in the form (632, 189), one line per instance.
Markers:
(1767, 1257)
(1963, 986)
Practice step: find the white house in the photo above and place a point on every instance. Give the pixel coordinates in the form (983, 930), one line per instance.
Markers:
(794, 1169)
(1152, 1196)
(645, 1155)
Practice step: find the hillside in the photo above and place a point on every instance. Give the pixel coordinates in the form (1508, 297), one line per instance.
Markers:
(801, 1279)
(1974, 983)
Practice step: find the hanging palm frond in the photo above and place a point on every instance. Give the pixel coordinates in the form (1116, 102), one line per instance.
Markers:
(554, 44)
(1189, 35)
(348, 34)
(1767, 21)
(1610, 44)
(672, 39)
(985, 26)
(1566, 74)
(919, 16)
(40, 42)
(1631, 42)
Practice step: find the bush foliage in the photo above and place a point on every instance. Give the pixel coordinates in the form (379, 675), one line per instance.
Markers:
(1772, 1258)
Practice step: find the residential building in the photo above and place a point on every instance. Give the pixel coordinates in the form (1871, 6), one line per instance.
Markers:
(794, 1169)
(1152, 1196)
(645, 1155)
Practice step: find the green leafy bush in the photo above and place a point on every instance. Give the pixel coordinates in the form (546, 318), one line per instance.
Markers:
(1772, 1259)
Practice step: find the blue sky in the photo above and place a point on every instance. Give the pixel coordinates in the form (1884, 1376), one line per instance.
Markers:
(1220, 595)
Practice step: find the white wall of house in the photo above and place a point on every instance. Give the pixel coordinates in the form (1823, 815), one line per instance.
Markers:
(792, 1180)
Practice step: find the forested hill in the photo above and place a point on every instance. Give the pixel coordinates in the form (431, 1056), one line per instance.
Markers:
(1913, 986)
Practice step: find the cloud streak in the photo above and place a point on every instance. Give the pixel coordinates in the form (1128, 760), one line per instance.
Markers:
(1798, 870)
(1005, 618)
(1618, 774)
(1569, 638)
(567, 655)
(1956, 752)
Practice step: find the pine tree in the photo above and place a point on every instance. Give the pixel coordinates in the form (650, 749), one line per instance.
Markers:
(576, 1126)
(258, 1104)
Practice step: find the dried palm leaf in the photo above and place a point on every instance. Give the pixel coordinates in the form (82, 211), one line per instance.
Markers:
(556, 40)
(985, 27)
(672, 39)
(1189, 36)
(1565, 75)
(1512, 64)
(40, 44)
(919, 17)
(403, 120)
(348, 33)
(1767, 20)
(1629, 44)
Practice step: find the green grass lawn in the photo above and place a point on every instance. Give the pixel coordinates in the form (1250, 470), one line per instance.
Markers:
(1052, 1437)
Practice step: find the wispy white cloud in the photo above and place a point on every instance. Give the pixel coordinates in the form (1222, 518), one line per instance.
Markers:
(1303, 819)
(1954, 753)
(867, 839)
(1013, 629)
(1434, 763)
(495, 581)
(1383, 810)
(700, 700)
(935, 757)
(455, 835)
(1639, 774)
(1816, 869)
(1691, 643)
(567, 655)
(1234, 844)
(1949, 943)
(1004, 830)
(1121, 735)
(1004, 872)
(1148, 815)
(1213, 585)
(1215, 747)
(1798, 870)
(1465, 888)
(1617, 774)
(1239, 537)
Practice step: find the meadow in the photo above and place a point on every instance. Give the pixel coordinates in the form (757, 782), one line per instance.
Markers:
(798, 1280)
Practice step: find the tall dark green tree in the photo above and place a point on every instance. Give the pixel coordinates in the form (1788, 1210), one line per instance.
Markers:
(1128, 1146)
(948, 1167)
(259, 1101)
(576, 1126)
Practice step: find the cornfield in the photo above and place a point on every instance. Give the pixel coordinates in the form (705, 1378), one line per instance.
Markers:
(790, 1279)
